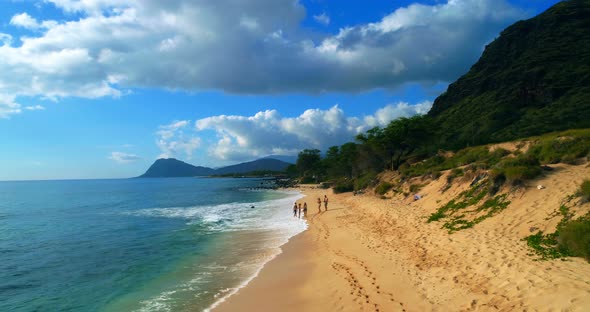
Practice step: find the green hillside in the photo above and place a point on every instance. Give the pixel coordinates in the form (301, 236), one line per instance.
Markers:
(534, 78)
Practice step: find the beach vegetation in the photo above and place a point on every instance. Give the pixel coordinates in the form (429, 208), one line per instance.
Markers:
(416, 187)
(545, 246)
(366, 180)
(457, 215)
(518, 169)
(570, 239)
(455, 172)
(584, 191)
(383, 188)
(343, 186)
(567, 146)
(574, 237)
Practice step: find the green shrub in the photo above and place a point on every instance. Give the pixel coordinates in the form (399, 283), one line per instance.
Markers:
(519, 169)
(366, 180)
(415, 188)
(383, 188)
(575, 238)
(584, 191)
(562, 147)
(343, 187)
(456, 172)
(520, 174)
(471, 155)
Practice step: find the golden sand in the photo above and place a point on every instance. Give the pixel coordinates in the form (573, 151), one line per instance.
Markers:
(372, 254)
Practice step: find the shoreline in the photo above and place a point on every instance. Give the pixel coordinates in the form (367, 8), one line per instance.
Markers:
(272, 276)
(280, 250)
(373, 254)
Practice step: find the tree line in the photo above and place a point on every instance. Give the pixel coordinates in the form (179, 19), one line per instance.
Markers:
(376, 150)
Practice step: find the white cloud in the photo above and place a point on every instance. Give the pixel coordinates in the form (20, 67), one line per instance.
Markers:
(243, 138)
(255, 46)
(173, 142)
(8, 106)
(123, 158)
(390, 112)
(35, 107)
(322, 19)
(26, 21)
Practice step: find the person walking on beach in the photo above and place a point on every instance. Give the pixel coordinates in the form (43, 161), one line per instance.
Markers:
(326, 202)
(319, 205)
(300, 210)
(295, 210)
(305, 209)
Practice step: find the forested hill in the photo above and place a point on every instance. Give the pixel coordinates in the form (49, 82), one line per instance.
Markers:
(170, 167)
(534, 78)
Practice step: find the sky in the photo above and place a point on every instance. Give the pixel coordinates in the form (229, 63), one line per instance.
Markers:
(102, 88)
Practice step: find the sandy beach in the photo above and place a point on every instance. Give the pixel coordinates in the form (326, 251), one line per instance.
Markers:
(371, 254)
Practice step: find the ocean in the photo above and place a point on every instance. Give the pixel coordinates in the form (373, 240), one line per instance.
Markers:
(176, 244)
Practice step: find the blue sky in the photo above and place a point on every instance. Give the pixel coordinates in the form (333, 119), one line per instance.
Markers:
(102, 88)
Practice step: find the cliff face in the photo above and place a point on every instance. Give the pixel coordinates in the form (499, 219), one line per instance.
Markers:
(534, 78)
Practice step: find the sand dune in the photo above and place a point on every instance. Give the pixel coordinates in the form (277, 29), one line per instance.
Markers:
(372, 254)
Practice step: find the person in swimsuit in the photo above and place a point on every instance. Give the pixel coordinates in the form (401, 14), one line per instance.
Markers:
(299, 210)
(295, 210)
(326, 202)
(319, 205)
(305, 209)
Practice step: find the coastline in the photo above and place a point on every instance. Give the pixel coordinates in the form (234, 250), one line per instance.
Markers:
(371, 254)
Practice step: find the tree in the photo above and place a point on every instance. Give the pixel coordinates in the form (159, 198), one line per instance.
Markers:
(308, 162)
(372, 151)
(404, 136)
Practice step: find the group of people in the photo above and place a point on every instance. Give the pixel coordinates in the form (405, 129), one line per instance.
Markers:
(297, 210)
(297, 207)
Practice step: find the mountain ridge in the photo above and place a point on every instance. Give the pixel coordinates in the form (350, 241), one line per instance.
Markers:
(172, 167)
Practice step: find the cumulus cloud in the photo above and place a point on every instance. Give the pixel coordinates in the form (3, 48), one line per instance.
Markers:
(172, 140)
(390, 112)
(123, 158)
(26, 21)
(251, 47)
(268, 133)
(322, 19)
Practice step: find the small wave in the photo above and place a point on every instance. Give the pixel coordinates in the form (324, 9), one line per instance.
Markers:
(159, 303)
(264, 215)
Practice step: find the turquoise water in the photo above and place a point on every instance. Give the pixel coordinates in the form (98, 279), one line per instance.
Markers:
(136, 245)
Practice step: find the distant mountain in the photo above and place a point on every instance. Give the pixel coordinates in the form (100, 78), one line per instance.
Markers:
(256, 165)
(285, 158)
(534, 78)
(170, 167)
